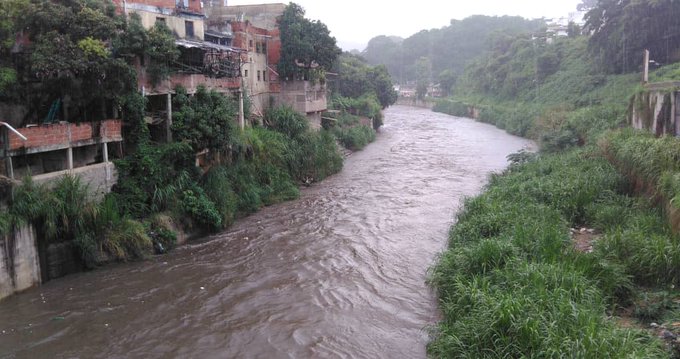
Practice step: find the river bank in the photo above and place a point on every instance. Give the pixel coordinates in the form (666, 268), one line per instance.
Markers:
(513, 284)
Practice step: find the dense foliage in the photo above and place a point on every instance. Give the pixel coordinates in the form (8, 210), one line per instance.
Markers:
(66, 213)
(652, 163)
(510, 251)
(204, 120)
(78, 52)
(551, 92)
(306, 45)
(246, 170)
(449, 48)
(356, 79)
(622, 29)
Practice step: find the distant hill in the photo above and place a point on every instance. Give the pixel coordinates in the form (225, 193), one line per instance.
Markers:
(450, 48)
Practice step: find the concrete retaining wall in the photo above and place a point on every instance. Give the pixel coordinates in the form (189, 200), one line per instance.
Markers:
(19, 261)
(656, 111)
(99, 178)
(411, 101)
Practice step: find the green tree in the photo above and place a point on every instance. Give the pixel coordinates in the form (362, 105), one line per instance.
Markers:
(162, 51)
(204, 120)
(452, 47)
(9, 13)
(357, 78)
(424, 76)
(381, 83)
(387, 51)
(305, 45)
(447, 79)
(622, 29)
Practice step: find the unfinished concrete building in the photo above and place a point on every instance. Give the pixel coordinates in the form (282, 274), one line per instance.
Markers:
(255, 29)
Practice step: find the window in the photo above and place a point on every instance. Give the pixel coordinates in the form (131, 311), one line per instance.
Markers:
(258, 75)
(258, 49)
(264, 75)
(245, 74)
(250, 44)
(160, 20)
(189, 28)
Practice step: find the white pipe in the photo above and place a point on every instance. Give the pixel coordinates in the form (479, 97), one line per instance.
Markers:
(14, 130)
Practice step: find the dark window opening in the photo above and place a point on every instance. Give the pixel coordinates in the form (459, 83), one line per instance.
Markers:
(160, 20)
(258, 75)
(189, 28)
(245, 74)
(264, 75)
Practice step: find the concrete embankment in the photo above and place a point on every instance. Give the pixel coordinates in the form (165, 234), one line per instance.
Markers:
(19, 261)
(413, 102)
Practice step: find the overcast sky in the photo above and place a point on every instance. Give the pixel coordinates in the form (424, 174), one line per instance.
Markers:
(354, 22)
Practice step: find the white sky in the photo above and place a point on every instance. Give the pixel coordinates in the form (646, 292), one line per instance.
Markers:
(354, 22)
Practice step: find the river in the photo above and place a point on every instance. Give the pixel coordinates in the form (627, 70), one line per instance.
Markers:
(340, 272)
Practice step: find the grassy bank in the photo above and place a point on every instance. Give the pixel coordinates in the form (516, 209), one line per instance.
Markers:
(512, 285)
(569, 103)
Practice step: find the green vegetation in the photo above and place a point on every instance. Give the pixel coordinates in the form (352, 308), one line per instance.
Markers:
(449, 49)
(160, 188)
(563, 105)
(66, 49)
(66, 213)
(651, 163)
(357, 79)
(307, 48)
(350, 132)
(621, 30)
(511, 284)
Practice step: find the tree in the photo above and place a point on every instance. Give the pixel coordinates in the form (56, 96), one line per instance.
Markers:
(622, 29)
(9, 12)
(586, 5)
(204, 120)
(450, 48)
(384, 50)
(305, 45)
(447, 79)
(424, 76)
(357, 78)
(382, 85)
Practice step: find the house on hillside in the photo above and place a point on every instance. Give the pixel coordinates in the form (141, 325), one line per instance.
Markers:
(254, 28)
(227, 49)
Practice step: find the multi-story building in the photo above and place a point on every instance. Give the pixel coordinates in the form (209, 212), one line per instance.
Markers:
(255, 28)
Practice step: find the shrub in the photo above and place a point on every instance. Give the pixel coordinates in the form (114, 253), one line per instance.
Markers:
(355, 138)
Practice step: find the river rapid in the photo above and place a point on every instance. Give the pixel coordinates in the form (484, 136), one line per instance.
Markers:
(339, 273)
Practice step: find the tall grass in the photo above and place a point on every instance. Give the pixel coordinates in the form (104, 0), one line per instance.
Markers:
(66, 213)
(510, 284)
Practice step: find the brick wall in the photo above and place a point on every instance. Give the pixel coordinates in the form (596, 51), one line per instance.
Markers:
(64, 134)
(112, 130)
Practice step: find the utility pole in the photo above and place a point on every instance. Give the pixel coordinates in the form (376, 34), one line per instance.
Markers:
(241, 116)
(645, 67)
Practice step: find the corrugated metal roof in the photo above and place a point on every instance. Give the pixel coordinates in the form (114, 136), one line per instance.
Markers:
(190, 44)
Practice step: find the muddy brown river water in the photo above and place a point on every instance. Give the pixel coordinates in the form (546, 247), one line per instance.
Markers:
(339, 273)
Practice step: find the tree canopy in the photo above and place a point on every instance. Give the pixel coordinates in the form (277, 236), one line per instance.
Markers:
(78, 51)
(450, 48)
(305, 45)
(622, 29)
(357, 78)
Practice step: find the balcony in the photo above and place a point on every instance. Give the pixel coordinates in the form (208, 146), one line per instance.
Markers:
(304, 96)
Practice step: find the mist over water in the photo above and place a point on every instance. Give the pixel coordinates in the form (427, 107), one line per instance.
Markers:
(338, 273)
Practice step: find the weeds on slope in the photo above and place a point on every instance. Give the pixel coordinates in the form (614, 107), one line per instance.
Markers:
(511, 285)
